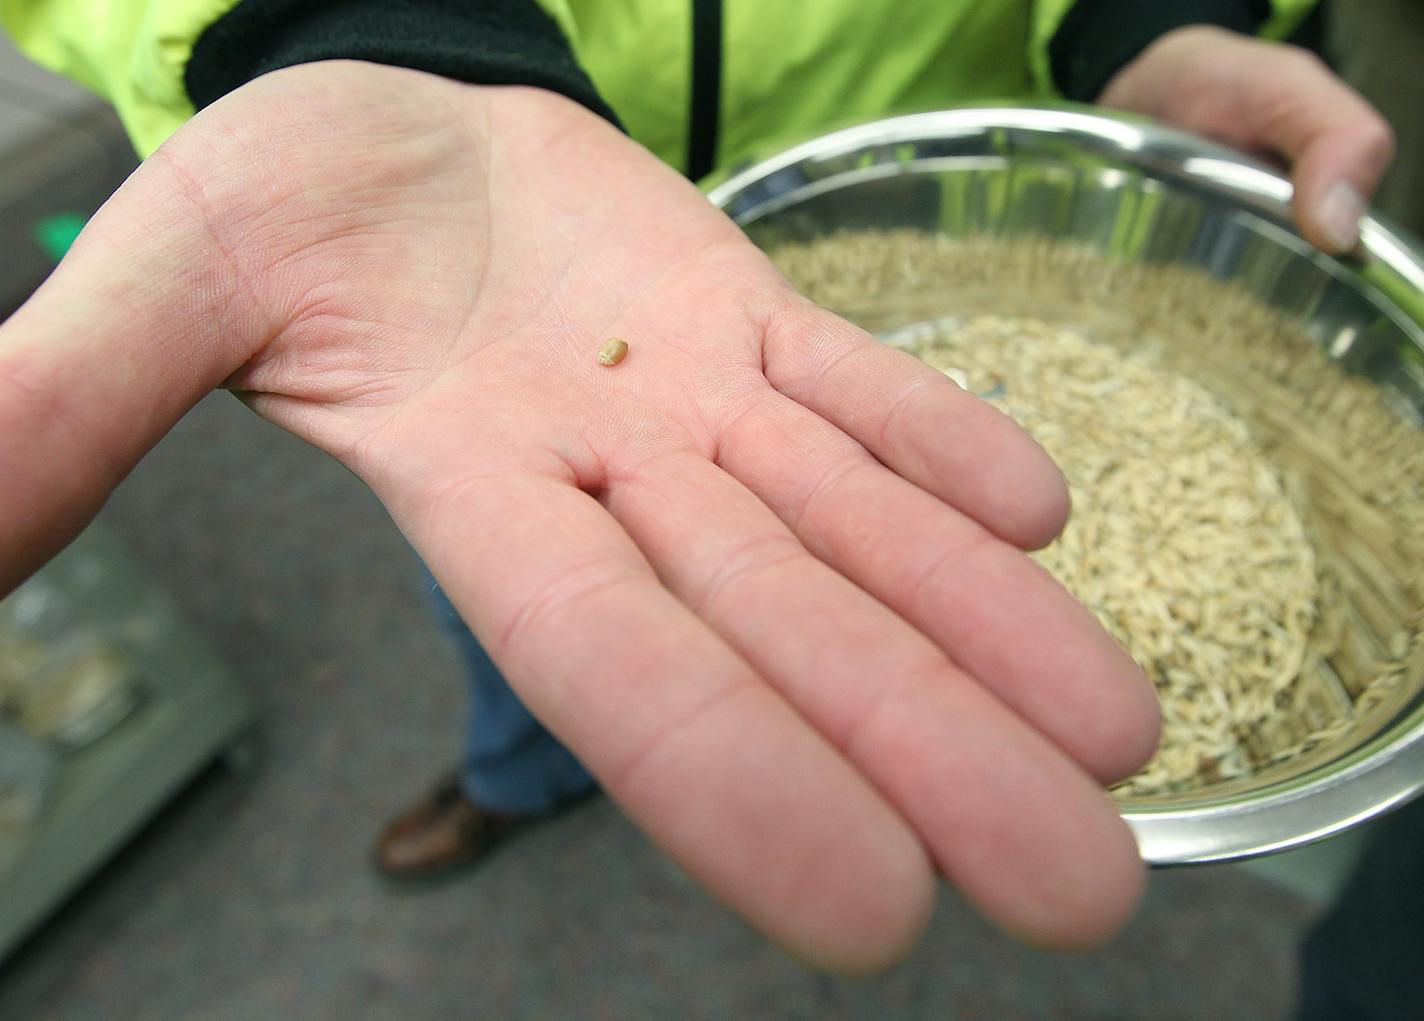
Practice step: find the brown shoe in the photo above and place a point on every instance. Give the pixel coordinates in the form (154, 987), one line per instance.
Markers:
(441, 832)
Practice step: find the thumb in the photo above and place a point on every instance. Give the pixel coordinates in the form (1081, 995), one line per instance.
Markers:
(135, 326)
(1337, 145)
(1335, 176)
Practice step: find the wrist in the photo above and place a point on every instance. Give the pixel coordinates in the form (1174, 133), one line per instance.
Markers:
(1100, 38)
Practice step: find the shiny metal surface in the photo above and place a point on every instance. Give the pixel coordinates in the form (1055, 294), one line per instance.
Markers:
(1140, 192)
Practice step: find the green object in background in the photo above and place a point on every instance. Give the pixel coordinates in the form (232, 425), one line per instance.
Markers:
(1399, 290)
(56, 233)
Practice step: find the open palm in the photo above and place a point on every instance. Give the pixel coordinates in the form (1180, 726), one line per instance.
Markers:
(764, 577)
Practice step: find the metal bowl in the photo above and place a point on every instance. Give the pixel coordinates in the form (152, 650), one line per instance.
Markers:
(1079, 174)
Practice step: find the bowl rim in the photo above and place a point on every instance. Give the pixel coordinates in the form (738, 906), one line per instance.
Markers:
(1385, 771)
(1387, 254)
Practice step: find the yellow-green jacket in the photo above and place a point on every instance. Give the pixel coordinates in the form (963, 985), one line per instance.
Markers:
(700, 82)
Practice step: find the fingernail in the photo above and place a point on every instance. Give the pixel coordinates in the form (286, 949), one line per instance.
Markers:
(1340, 214)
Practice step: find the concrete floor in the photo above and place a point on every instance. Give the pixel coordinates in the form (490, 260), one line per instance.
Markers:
(251, 897)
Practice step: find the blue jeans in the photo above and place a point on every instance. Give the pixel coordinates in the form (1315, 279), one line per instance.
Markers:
(512, 764)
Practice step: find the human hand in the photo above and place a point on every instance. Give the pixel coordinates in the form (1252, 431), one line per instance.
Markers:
(1271, 99)
(763, 577)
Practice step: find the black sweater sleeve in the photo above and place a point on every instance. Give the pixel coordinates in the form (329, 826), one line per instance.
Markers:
(486, 42)
(1099, 37)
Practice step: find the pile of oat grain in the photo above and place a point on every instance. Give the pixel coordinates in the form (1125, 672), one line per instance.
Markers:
(1247, 518)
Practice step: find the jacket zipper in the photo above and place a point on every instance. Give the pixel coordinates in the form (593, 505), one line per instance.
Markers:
(706, 93)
